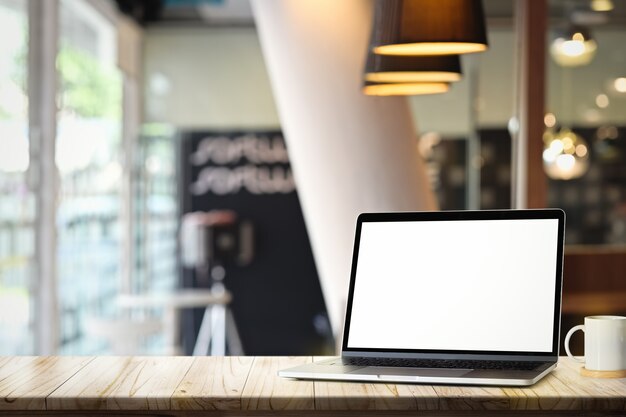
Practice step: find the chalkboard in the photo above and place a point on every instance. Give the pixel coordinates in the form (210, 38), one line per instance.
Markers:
(277, 299)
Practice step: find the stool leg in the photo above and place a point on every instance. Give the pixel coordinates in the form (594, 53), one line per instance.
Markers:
(232, 335)
(218, 338)
(204, 334)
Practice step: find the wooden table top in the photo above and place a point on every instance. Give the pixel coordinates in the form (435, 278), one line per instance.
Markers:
(227, 385)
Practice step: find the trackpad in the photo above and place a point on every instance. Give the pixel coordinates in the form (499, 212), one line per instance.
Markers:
(427, 372)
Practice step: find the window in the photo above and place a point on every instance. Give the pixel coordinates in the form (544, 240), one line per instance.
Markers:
(91, 224)
(16, 201)
(89, 134)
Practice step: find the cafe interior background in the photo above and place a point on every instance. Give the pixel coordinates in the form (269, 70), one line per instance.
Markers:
(152, 202)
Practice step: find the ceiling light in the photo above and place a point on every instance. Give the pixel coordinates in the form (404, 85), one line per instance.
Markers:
(601, 5)
(602, 101)
(574, 47)
(620, 85)
(394, 69)
(429, 27)
(403, 89)
(565, 155)
(549, 120)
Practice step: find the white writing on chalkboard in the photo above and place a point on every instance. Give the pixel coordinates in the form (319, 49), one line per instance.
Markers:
(256, 163)
(257, 149)
(254, 179)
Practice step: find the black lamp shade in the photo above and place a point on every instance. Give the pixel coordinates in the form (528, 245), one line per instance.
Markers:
(428, 27)
(403, 89)
(389, 68)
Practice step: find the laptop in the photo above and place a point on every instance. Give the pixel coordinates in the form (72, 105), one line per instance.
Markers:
(456, 297)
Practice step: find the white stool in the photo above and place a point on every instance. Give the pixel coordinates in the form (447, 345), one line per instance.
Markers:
(217, 330)
(124, 336)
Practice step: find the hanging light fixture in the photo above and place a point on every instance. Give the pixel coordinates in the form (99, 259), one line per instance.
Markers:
(404, 89)
(601, 5)
(393, 69)
(574, 47)
(565, 155)
(429, 27)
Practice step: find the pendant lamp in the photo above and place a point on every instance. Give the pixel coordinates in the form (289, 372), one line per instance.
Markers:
(574, 47)
(565, 155)
(393, 69)
(429, 27)
(403, 89)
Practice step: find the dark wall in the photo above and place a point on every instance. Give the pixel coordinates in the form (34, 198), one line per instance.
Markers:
(595, 203)
(277, 299)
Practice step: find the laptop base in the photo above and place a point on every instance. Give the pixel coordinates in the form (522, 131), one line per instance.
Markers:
(330, 369)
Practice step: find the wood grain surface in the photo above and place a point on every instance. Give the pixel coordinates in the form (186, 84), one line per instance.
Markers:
(122, 383)
(213, 383)
(227, 385)
(26, 382)
(264, 390)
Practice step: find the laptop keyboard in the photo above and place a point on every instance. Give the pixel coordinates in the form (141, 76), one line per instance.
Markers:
(444, 363)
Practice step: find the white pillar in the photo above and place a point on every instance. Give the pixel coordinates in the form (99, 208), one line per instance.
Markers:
(130, 42)
(350, 153)
(43, 22)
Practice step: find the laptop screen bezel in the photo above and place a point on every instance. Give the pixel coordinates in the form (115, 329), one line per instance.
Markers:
(557, 214)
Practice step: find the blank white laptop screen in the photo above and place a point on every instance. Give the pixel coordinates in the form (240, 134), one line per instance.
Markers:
(484, 285)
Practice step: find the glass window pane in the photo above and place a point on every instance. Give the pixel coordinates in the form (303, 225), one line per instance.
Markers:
(88, 159)
(156, 211)
(16, 202)
(463, 133)
(585, 140)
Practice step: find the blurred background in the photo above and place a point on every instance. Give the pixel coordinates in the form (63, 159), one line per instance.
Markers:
(147, 200)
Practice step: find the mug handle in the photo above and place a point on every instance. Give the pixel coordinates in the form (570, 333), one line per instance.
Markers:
(567, 337)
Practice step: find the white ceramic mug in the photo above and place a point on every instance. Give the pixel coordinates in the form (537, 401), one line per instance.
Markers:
(605, 343)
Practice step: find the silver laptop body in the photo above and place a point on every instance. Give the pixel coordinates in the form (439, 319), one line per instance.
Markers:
(458, 297)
